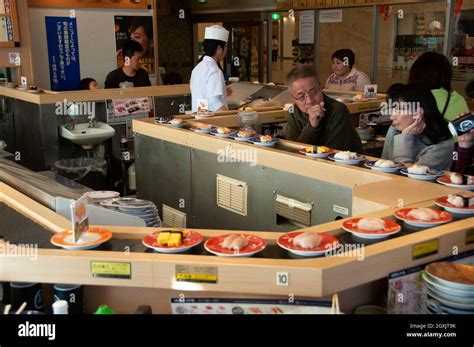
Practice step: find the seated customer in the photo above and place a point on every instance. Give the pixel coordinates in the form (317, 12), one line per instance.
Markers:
(345, 76)
(419, 134)
(433, 71)
(317, 119)
(462, 161)
(88, 84)
(131, 70)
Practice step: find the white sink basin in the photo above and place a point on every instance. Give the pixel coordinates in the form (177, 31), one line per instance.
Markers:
(85, 136)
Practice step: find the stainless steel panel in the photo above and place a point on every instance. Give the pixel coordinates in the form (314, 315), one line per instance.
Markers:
(263, 184)
(163, 172)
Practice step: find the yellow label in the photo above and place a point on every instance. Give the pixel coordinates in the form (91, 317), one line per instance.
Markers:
(196, 274)
(425, 249)
(469, 236)
(111, 269)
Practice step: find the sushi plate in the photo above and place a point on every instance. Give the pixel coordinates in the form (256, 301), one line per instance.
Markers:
(192, 239)
(256, 141)
(316, 155)
(355, 161)
(255, 245)
(391, 228)
(431, 176)
(328, 244)
(371, 165)
(127, 203)
(93, 238)
(447, 182)
(443, 217)
(443, 202)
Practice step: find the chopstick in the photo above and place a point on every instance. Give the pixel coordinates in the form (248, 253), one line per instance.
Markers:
(335, 305)
(22, 307)
(7, 309)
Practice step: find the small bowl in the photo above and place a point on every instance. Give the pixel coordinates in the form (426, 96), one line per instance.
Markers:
(370, 309)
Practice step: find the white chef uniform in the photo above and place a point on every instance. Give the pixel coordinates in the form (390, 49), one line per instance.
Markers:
(207, 80)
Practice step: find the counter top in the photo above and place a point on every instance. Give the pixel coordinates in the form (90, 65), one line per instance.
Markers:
(51, 97)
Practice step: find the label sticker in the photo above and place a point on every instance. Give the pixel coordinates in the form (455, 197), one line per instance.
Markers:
(196, 274)
(340, 209)
(424, 249)
(107, 269)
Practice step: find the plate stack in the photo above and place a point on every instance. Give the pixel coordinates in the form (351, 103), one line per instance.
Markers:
(143, 209)
(366, 134)
(452, 285)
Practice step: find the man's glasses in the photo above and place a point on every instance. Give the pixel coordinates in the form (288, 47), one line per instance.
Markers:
(311, 94)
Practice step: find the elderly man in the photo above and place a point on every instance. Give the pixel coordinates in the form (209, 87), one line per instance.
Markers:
(317, 119)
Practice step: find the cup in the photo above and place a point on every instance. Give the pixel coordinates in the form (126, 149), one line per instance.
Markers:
(31, 293)
(462, 125)
(60, 307)
(73, 294)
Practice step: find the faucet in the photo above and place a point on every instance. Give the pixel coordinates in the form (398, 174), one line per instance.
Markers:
(92, 122)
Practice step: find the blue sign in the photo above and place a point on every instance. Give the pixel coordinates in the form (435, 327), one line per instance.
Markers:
(63, 52)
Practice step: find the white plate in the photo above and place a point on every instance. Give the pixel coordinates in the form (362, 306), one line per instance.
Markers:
(373, 236)
(452, 304)
(178, 125)
(421, 224)
(215, 133)
(439, 288)
(370, 165)
(448, 297)
(451, 310)
(458, 186)
(453, 285)
(202, 131)
(456, 209)
(102, 194)
(241, 139)
(256, 141)
(429, 177)
(203, 117)
(128, 203)
(347, 162)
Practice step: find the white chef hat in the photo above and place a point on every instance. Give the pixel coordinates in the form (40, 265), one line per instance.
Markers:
(216, 32)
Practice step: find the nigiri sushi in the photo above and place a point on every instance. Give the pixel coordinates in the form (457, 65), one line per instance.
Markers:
(418, 169)
(460, 201)
(423, 214)
(345, 155)
(461, 179)
(307, 240)
(235, 242)
(384, 163)
(371, 224)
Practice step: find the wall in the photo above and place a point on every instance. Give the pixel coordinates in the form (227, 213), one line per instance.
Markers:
(175, 41)
(288, 36)
(97, 53)
(26, 68)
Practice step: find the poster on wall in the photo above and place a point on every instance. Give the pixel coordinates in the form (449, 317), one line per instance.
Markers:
(306, 28)
(63, 53)
(140, 29)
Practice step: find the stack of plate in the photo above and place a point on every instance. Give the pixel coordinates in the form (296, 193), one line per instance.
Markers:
(143, 209)
(452, 285)
(366, 133)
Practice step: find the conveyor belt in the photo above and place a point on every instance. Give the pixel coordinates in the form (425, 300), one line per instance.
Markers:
(18, 229)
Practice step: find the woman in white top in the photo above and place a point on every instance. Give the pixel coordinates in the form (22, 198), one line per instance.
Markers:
(345, 76)
(207, 79)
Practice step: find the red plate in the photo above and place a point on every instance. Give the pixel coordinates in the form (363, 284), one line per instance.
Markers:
(193, 238)
(443, 217)
(391, 227)
(286, 241)
(255, 245)
(443, 202)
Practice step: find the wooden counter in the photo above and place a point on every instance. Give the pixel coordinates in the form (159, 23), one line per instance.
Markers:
(50, 97)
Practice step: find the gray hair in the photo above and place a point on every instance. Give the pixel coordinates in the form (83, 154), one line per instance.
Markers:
(302, 71)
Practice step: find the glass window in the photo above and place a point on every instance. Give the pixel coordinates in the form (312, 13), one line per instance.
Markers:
(405, 32)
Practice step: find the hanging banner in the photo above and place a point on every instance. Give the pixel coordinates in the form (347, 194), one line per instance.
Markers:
(306, 27)
(140, 29)
(330, 16)
(63, 53)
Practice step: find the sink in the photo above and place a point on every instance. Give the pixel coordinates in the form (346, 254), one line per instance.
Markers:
(85, 136)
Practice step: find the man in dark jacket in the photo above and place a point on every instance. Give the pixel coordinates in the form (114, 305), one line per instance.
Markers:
(317, 119)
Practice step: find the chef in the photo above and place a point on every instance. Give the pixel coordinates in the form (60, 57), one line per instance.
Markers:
(207, 79)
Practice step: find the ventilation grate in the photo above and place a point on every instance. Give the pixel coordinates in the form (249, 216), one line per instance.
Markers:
(294, 211)
(173, 218)
(232, 195)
